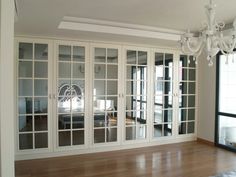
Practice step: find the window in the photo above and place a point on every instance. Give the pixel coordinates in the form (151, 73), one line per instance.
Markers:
(226, 102)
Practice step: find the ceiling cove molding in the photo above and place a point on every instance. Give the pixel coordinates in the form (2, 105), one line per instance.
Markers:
(102, 26)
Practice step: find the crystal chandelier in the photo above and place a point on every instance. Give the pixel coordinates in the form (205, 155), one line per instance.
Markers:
(210, 38)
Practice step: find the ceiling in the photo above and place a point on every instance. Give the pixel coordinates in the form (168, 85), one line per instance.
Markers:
(42, 17)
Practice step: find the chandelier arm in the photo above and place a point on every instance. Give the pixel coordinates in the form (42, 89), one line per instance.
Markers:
(185, 51)
(194, 50)
(225, 47)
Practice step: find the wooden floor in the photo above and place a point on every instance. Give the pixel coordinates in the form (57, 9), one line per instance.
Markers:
(191, 159)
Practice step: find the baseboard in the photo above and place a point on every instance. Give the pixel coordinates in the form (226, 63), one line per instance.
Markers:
(205, 141)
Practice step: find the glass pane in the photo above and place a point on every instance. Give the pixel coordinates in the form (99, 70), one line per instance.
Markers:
(183, 61)
(158, 100)
(112, 88)
(141, 132)
(99, 87)
(191, 87)
(183, 87)
(169, 74)
(159, 88)
(168, 88)
(99, 136)
(182, 128)
(41, 140)
(40, 105)
(25, 123)
(64, 88)
(192, 63)
(157, 117)
(41, 52)
(131, 88)
(78, 137)
(192, 74)
(25, 105)
(191, 101)
(41, 123)
(25, 51)
(99, 71)
(129, 103)
(77, 121)
(168, 115)
(111, 103)
(130, 118)
(25, 68)
(159, 73)
(78, 70)
(159, 59)
(99, 104)
(112, 72)
(183, 74)
(142, 58)
(191, 114)
(131, 72)
(112, 55)
(168, 60)
(141, 73)
(190, 127)
(182, 114)
(100, 55)
(158, 130)
(100, 120)
(168, 102)
(167, 129)
(41, 69)
(183, 101)
(65, 138)
(130, 133)
(112, 119)
(25, 87)
(64, 70)
(227, 131)
(111, 134)
(131, 57)
(79, 53)
(40, 87)
(26, 141)
(141, 117)
(64, 53)
(64, 121)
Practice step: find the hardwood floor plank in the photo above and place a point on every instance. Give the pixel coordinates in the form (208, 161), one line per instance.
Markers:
(191, 159)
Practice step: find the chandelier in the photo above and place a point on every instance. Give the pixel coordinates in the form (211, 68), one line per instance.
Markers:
(210, 38)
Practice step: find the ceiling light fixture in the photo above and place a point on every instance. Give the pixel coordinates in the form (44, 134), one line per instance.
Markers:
(211, 38)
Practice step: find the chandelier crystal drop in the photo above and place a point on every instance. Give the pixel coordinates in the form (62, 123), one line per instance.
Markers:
(210, 39)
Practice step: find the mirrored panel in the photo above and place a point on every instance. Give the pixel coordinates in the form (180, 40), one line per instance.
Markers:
(25, 105)
(41, 140)
(78, 137)
(64, 70)
(40, 87)
(40, 105)
(25, 123)
(130, 133)
(41, 122)
(142, 58)
(25, 50)
(25, 69)
(65, 138)
(64, 53)
(78, 53)
(131, 57)
(99, 135)
(111, 134)
(112, 71)
(41, 52)
(25, 87)
(40, 69)
(112, 56)
(100, 55)
(26, 141)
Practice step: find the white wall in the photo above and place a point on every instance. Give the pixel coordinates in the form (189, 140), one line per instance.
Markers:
(206, 99)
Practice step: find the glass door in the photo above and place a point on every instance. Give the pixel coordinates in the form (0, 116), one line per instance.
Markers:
(136, 65)
(33, 101)
(71, 94)
(163, 95)
(225, 106)
(187, 95)
(105, 94)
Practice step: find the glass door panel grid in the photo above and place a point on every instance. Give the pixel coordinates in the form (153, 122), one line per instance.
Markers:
(187, 94)
(163, 95)
(136, 95)
(32, 95)
(105, 95)
(71, 95)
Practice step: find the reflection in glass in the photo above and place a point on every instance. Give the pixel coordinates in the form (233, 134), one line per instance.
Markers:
(40, 69)
(183, 87)
(190, 127)
(41, 52)
(25, 50)
(183, 61)
(25, 105)
(64, 53)
(130, 133)
(77, 121)
(112, 71)
(99, 71)
(159, 88)
(25, 123)
(130, 118)
(99, 135)
(25, 68)
(191, 101)
(65, 138)
(40, 105)
(131, 57)
(100, 120)
(183, 74)
(26, 141)
(167, 129)
(25, 87)
(78, 53)
(41, 140)
(157, 116)
(159, 59)
(182, 128)
(183, 101)
(111, 134)
(131, 88)
(192, 74)
(168, 60)
(141, 132)
(182, 114)
(142, 58)
(41, 122)
(227, 131)
(100, 55)
(192, 63)
(158, 130)
(191, 87)
(64, 121)
(78, 137)
(112, 88)
(64, 70)
(129, 103)
(112, 119)
(168, 114)
(40, 87)
(191, 114)
(99, 87)
(112, 55)
(159, 73)
(78, 70)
